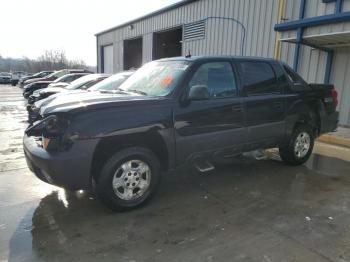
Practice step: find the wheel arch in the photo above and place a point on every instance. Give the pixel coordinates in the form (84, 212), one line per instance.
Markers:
(109, 145)
(306, 113)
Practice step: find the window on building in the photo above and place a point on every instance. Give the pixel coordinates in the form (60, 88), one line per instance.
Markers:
(259, 78)
(218, 77)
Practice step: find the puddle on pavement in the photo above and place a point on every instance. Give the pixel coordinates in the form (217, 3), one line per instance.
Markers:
(257, 192)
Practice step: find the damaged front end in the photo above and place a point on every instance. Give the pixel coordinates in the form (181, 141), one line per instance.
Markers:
(51, 133)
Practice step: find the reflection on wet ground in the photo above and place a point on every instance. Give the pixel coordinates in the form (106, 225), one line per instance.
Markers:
(250, 210)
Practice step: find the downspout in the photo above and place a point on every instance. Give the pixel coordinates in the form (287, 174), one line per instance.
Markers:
(299, 36)
(281, 11)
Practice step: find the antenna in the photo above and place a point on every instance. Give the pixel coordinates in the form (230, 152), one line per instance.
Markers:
(189, 54)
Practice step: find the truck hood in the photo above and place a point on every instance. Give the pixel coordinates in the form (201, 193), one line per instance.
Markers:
(30, 86)
(77, 102)
(44, 102)
(52, 90)
(32, 80)
(59, 84)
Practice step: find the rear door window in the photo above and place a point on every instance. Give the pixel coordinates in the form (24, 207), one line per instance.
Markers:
(259, 78)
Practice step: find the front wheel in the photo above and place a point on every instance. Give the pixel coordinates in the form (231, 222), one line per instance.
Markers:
(299, 147)
(129, 178)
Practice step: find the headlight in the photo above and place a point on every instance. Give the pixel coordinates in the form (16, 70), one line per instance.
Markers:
(50, 126)
(33, 109)
(51, 129)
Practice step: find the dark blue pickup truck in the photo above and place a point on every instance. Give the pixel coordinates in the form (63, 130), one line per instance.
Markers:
(174, 112)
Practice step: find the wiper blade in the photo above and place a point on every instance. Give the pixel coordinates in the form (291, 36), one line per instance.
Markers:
(111, 91)
(138, 92)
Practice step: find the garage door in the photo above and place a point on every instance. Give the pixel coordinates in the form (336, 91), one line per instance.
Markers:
(108, 59)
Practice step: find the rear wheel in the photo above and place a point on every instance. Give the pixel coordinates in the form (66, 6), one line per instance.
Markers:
(129, 178)
(299, 147)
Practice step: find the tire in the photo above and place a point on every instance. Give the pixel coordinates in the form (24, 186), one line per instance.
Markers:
(113, 171)
(298, 155)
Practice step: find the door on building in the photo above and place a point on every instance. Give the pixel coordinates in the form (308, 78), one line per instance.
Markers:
(107, 62)
(132, 53)
(167, 43)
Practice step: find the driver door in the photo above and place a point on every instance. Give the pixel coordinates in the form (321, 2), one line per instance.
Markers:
(213, 126)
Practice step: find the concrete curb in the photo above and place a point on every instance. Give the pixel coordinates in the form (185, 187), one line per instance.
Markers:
(335, 140)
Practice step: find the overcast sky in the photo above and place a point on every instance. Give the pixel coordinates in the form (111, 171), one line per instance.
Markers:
(27, 27)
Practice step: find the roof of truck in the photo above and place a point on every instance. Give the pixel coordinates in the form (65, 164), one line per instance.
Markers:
(196, 58)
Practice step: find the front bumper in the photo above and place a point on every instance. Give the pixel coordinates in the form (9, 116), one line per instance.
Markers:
(69, 169)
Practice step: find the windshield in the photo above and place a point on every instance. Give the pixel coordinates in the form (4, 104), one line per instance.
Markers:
(111, 83)
(38, 74)
(82, 81)
(61, 79)
(156, 78)
(58, 74)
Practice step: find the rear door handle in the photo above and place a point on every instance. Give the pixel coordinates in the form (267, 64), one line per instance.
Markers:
(236, 109)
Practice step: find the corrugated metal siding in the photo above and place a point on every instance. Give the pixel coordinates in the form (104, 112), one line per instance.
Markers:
(223, 37)
(312, 64)
(292, 10)
(341, 79)
(317, 8)
(312, 8)
(346, 5)
(327, 29)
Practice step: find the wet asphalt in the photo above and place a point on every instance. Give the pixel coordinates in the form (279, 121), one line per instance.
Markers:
(250, 210)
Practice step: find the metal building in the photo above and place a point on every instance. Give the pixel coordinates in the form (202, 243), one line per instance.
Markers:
(313, 36)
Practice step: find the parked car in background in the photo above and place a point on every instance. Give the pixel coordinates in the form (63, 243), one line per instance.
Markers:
(91, 85)
(5, 78)
(37, 75)
(79, 84)
(36, 85)
(66, 79)
(30, 88)
(172, 112)
(56, 74)
(15, 76)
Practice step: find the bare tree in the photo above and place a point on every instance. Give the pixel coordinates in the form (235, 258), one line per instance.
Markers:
(49, 60)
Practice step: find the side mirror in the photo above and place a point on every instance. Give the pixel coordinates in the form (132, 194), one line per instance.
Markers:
(198, 92)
